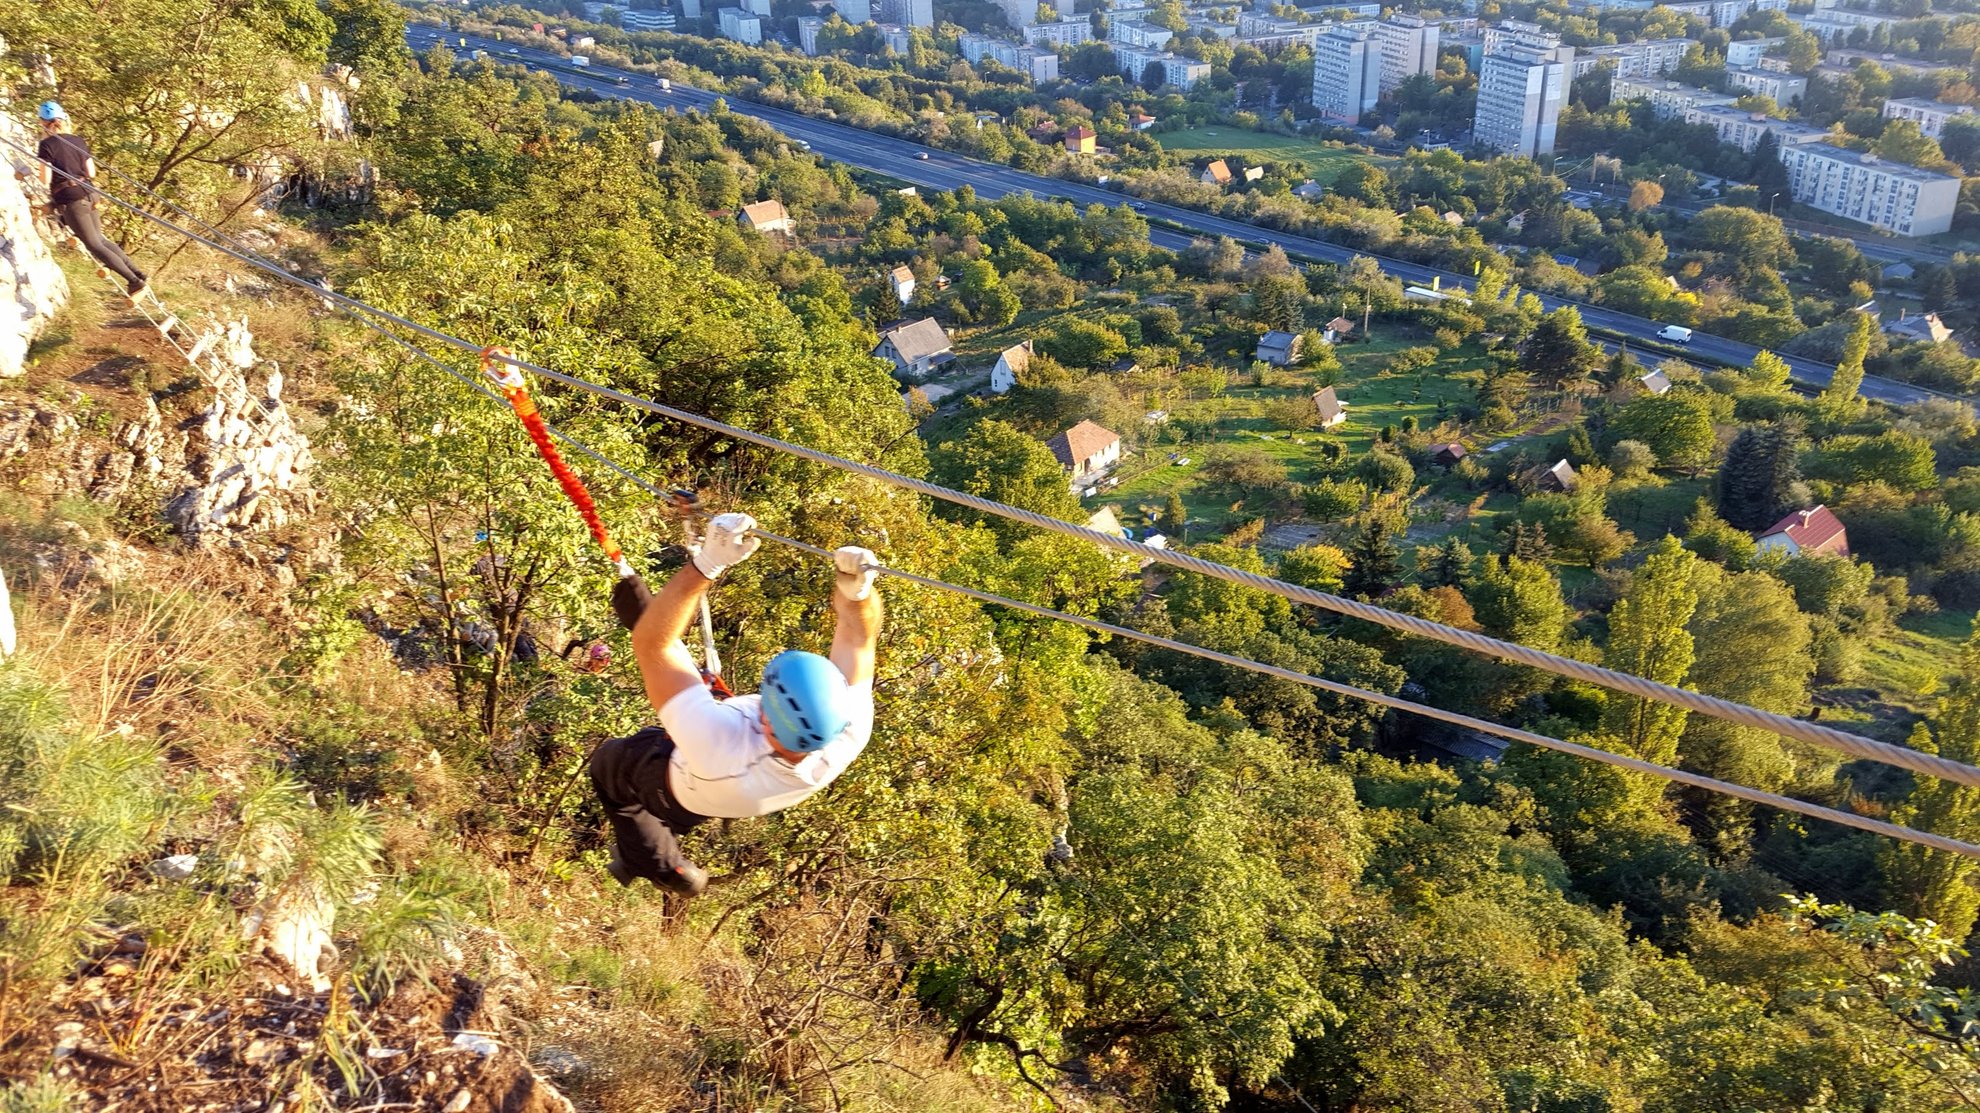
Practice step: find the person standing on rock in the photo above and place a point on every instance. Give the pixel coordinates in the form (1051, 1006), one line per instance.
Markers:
(744, 755)
(66, 168)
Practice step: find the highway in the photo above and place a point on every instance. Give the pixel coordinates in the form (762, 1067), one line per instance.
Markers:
(933, 168)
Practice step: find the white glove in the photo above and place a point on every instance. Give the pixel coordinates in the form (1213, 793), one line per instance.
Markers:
(856, 568)
(728, 542)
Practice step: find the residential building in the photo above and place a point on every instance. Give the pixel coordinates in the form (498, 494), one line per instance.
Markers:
(740, 24)
(1408, 46)
(1183, 72)
(1216, 29)
(1748, 52)
(1560, 477)
(1347, 74)
(1925, 328)
(975, 48)
(916, 348)
(1135, 60)
(1086, 451)
(1338, 330)
(1140, 121)
(1649, 58)
(908, 13)
(1890, 196)
(896, 37)
(1066, 32)
(1784, 88)
(1743, 129)
(808, 28)
(1019, 13)
(1447, 455)
(1471, 45)
(757, 7)
(662, 19)
(1291, 35)
(1668, 99)
(1521, 89)
(1216, 173)
(902, 281)
(766, 217)
(854, 12)
(1807, 532)
(1079, 139)
(1929, 115)
(1011, 362)
(1038, 65)
(1656, 382)
(1331, 409)
(1280, 349)
(1725, 13)
(1845, 61)
(1136, 33)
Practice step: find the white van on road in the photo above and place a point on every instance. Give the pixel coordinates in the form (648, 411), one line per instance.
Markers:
(1675, 333)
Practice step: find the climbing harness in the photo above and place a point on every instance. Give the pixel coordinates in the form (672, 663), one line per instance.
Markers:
(499, 364)
(1814, 733)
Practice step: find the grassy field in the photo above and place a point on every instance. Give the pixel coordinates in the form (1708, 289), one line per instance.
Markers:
(1908, 666)
(1322, 161)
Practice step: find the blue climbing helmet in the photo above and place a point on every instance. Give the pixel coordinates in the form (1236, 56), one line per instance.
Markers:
(806, 699)
(49, 110)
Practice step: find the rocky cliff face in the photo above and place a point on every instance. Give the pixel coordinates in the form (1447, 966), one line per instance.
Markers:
(32, 287)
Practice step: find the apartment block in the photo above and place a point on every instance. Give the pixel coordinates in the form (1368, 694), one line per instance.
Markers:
(1065, 32)
(808, 28)
(1521, 87)
(1785, 88)
(1891, 197)
(1347, 74)
(896, 37)
(908, 13)
(1134, 32)
(740, 24)
(1408, 46)
(975, 48)
(1134, 60)
(1216, 29)
(1039, 65)
(1929, 115)
(1649, 58)
(1288, 34)
(1183, 72)
(1668, 99)
(1743, 129)
(854, 12)
(1019, 13)
(1725, 13)
(1748, 52)
(662, 19)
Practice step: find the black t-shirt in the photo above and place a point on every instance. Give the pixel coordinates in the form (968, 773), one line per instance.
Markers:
(69, 155)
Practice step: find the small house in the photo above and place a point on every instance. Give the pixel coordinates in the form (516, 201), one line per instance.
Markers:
(1140, 121)
(1280, 349)
(766, 217)
(1447, 455)
(916, 348)
(1900, 272)
(1338, 330)
(1560, 478)
(1011, 362)
(1217, 173)
(902, 280)
(1254, 173)
(1807, 531)
(1331, 409)
(1126, 365)
(1086, 451)
(1656, 382)
(1309, 190)
(1925, 328)
(1104, 520)
(1079, 139)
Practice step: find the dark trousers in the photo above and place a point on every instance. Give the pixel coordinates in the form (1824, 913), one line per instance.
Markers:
(80, 217)
(630, 777)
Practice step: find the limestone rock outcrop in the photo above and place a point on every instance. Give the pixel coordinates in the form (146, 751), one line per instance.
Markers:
(32, 287)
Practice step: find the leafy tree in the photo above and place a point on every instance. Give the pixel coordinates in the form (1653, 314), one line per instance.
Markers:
(1385, 470)
(1769, 370)
(1175, 516)
(1519, 600)
(1557, 351)
(1528, 541)
(1645, 195)
(1716, 539)
(1938, 885)
(1320, 567)
(1825, 584)
(1747, 241)
(1901, 460)
(1631, 459)
(1649, 637)
(1840, 396)
(1676, 425)
(1374, 564)
(996, 460)
(1761, 477)
(1769, 175)
(1752, 645)
(1901, 141)
(1088, 345)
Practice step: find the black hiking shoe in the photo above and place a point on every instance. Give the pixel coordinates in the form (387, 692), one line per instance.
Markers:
(689, 880)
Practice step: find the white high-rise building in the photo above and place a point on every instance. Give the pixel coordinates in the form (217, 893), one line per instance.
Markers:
(1929, 115)
(1521, 88)
(741, 24)
(1134, 32)
(854, 12)
(1347, 74)
(1019, 13)
(1889, 196)
(1409, 47)
(1066, 32)
(908, 13)
(808, 28)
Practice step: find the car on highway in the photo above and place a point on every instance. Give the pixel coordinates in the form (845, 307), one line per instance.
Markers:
(922, 155)
(622, 80)
(513, 50)
(1138, 206)
(1676, 334)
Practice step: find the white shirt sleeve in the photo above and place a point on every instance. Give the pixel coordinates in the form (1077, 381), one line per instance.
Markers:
(712, 740)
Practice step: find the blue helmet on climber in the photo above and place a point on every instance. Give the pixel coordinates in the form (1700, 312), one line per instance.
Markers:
(807, 700)
(51, 111)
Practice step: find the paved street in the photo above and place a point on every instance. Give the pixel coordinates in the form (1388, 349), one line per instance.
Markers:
(943, 170)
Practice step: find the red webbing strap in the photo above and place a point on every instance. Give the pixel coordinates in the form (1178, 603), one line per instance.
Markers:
(510, 379)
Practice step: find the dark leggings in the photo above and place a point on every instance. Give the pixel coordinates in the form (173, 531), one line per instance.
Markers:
(80, 217)
(630, 776)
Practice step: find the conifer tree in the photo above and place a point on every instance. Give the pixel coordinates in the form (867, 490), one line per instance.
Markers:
(1528, 541)
(1449, 564)
(1175, 516)
(1760, 478)
(1374, 564)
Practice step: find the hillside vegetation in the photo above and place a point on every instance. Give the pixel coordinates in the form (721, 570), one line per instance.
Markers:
(359, 720)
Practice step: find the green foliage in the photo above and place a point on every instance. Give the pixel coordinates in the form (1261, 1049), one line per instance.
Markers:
(1519, 600)
(998, 462)
(1649, 636)
(1897, 459)
(1841, 395)
(1557, 351)
(1936, 885)
(1374, 562)
(1676, 426)
(1761, 477)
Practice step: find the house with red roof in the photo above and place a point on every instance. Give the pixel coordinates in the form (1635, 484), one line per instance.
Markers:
(1807, 531)
(1086, 451)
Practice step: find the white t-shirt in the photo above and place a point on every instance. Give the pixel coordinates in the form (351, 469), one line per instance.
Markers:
(723, 766)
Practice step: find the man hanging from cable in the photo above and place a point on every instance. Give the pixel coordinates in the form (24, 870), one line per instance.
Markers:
(66, 152)
(742, 756)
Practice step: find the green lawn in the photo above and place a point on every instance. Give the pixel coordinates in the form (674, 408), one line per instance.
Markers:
(1908, 666)
(1322, 161)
